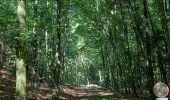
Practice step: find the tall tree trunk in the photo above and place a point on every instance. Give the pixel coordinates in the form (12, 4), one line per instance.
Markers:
(58, 40)
(34, 44)
(129, 56)
(148, 51)
(164, 21)
(103, 57)
(162, 66)
(20, 54)
(143, 39)
(58, 51)
(1, 53)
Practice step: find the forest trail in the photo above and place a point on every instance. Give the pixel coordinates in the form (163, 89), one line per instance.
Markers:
(67, 92)
(84, 92)
(90, 92)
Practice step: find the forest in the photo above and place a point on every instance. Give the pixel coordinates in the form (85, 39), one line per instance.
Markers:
(83, 49)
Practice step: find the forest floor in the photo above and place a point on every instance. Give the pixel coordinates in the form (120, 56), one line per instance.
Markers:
(67, 92)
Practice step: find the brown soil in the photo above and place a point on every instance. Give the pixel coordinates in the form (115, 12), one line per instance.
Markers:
(67, 92)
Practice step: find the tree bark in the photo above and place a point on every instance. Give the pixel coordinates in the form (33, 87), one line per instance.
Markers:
(1, 53)
(58, 51)
(20, 54)
(164, 21)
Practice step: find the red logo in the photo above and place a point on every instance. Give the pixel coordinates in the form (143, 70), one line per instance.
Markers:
(161, 90)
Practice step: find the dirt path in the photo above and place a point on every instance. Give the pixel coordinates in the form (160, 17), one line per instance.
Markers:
(67, 92)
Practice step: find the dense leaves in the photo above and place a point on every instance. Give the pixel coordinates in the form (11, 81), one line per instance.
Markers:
(121, 45)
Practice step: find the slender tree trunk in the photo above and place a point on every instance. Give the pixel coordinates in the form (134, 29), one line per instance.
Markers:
(34, 44)
(129, 56)
(58, 40)
(103, 57)
(162, 66)
(20, 54)
(58, 51)
(143, 37)
(1, 53)
(148, 51)
(164, 21)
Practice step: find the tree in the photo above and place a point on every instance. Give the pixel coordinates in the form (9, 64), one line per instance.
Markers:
(121, 45)
(20, 54)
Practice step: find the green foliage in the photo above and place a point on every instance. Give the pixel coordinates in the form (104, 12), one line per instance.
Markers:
(124, 40)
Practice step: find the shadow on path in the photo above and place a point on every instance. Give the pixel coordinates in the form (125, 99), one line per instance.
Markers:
(67, 92)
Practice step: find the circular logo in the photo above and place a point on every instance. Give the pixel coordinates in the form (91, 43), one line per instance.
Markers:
(161, 90)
